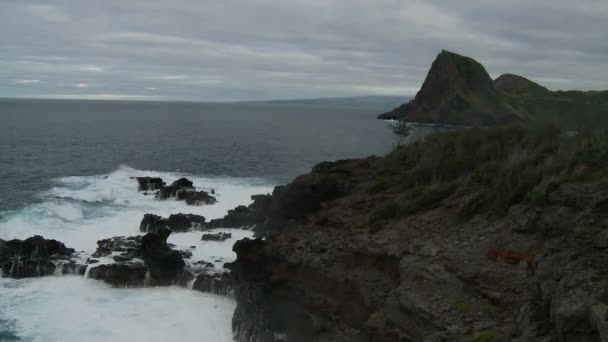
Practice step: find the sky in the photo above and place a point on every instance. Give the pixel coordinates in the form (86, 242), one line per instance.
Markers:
(230, 50)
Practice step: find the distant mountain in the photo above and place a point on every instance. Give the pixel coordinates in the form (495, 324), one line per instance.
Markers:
(459, 91)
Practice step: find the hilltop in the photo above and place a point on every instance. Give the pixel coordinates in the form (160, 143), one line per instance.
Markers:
(459, 91)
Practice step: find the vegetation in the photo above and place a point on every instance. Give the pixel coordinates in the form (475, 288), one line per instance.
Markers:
(489, 169)
(484, 337)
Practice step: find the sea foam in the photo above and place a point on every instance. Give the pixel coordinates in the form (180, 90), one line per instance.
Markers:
(79, 211)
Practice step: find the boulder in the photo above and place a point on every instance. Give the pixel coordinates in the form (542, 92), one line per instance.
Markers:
(164, 263)
(152, 223)
(183, 190)
(182, 183)
(149, 183)
(33, 257)
(177, 222)
(185, 222)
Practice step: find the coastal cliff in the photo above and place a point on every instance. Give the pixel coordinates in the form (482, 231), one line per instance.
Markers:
(459, 91)
(475, 235)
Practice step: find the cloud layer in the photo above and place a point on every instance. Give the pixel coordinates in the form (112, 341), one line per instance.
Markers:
(273, 49)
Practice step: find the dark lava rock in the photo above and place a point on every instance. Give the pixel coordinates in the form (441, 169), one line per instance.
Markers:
(218, 283)
(149, 183)
(34, 257)
(177, 222)
(183, 190)
(130, 245)
(152, 223)
(182, 183)
(185, 222)
(216, 236)
(120, 274)
(165, 265)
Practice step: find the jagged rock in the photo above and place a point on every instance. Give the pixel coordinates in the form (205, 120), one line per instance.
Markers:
(149, 183)
(216, 236)
(130, 245)
(164, 263)
(243, 216)
(185, 222)
(34, 257)
(152, 223)
(138, 254)
(182, 190)
(177, 222)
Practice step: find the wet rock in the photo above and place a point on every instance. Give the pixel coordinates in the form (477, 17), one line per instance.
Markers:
(152, 223)
(183, 190)
(33, 257)
(120, 274)
(177, 222)
(140, 254)
(149, 183)
(218, 283)
(185, 222)
(164, 263)
(216, 236)
(130, 245)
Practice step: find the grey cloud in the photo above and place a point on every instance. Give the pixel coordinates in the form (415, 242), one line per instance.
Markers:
(262, 49)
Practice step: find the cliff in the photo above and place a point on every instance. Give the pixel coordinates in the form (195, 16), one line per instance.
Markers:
(458, 91)
(476, 235)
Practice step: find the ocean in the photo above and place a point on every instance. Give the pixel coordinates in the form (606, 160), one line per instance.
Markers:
(65, 173)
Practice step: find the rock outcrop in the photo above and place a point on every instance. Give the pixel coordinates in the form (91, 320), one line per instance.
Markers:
(457, 91)
(333, 271)
(176, 222)
(140, 260)
(36, 257)
(149, 183)
(183, 190)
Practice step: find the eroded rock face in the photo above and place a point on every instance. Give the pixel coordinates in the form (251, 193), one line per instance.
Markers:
(183, 190)
(35, 257)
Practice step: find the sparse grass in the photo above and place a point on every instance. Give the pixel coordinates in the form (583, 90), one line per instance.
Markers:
(491, 168)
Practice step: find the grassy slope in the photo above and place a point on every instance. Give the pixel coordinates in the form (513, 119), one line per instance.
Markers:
(568, 108)
(487, 169)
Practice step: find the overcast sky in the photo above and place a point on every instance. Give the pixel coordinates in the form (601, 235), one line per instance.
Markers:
(225, 50)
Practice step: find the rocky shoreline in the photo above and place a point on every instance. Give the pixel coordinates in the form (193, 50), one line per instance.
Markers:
(396, 248)
(131, 261)
(330, 270)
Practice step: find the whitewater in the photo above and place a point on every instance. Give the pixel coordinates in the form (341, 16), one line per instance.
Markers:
(79, 211)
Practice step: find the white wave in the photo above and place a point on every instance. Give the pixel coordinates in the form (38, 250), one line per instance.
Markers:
(80, 210)
(78, 309)
(216, 252)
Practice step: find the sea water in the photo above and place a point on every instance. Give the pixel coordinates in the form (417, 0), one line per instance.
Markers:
(66, 173)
